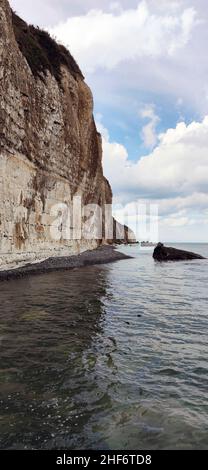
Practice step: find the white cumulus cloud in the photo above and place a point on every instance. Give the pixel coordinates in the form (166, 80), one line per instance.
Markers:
(102, 39)
(174, 175)
(149, 134)
(178, 166)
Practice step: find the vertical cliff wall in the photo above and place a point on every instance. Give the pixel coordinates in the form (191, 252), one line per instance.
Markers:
(50, 149)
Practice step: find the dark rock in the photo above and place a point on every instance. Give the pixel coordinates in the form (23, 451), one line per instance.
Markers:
(166, 253)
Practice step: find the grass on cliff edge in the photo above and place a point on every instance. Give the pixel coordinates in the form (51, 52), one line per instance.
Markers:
(41, 51)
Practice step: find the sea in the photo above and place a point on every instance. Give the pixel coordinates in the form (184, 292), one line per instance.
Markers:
(113, 356)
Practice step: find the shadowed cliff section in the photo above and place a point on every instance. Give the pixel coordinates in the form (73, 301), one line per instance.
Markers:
(41, 51)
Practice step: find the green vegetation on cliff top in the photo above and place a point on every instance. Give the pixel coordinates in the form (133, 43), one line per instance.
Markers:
(41, 51)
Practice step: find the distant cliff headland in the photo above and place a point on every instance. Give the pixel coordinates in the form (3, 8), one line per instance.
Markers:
(50, 150)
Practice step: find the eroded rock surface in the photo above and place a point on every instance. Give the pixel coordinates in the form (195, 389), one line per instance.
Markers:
(50, 149)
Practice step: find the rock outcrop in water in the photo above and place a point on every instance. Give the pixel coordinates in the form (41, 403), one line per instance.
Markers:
(50, 150)
(165, 253)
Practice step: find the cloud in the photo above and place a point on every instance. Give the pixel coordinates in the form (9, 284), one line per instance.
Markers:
(115, 6)
(174, 175)
(178, 166)
(110, 38)
(49, 12)
(145, 48)
(38, 12)
(148, 134)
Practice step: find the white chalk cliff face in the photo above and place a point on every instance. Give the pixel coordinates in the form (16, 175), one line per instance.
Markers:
(50, 149)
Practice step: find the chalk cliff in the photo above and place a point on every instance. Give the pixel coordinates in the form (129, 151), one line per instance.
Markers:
(50, 149)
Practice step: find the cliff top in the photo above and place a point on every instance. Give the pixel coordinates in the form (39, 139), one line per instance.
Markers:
(41, 51)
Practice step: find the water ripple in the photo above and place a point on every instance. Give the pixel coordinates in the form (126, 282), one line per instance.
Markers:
(106, 357)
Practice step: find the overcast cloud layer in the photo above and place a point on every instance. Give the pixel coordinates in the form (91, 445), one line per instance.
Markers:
(146, 64)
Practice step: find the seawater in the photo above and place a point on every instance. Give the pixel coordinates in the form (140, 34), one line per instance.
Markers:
(106, 357)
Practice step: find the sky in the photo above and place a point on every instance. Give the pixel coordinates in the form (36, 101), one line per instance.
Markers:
(147, 66)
